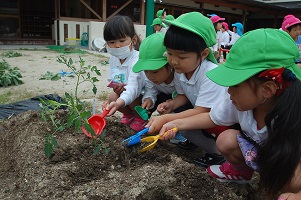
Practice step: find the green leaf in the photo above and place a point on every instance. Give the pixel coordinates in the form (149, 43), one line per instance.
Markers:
(54, 142)
(48, 149)
(96, 150)
(48, 146)
(85, 115)
(50, 76)
(94, 79)
(70, 120)
(106, 150)
(70, 61)
(77, 124)
(79, 107)
(67, 95)
(61, 128)
(94, 89)
(89, 128)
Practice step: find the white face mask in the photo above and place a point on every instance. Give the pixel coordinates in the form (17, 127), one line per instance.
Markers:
(121, 53)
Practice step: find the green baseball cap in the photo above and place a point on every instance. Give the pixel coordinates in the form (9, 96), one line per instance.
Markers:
(151, 56)
(170, 17)
(199, 24)
(160, 13)
(256, 51)
(158, 21)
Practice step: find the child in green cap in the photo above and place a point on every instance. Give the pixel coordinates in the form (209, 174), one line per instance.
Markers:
(187, 41)
(159, 26)
(264, 97)
(170, 17)
(159, 74)
(161, 14)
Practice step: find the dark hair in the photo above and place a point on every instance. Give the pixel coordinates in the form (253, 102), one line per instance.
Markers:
(279, 156)
(180, 39)
(291, 27)
(215, 24)
(120, 26)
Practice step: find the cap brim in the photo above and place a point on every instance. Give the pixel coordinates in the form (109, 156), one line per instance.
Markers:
(142, 65)
(181, 25)
(221, 19)
(224, 76)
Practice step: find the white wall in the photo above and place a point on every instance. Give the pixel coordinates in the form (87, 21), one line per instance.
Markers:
(94, 29)
(84, 26)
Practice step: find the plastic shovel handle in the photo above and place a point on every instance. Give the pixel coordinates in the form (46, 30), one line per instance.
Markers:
(104, 113)
(154, 140)
(135, 139)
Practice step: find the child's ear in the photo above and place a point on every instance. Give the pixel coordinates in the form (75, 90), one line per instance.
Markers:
(269, 89)
(134, 40)
(205, 53)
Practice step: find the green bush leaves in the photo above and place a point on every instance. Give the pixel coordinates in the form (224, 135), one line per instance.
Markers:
(8, 75)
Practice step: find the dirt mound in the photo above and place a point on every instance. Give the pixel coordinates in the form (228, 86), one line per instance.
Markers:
(72, 172)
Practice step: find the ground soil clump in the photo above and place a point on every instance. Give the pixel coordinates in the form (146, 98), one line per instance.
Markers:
(72, 172)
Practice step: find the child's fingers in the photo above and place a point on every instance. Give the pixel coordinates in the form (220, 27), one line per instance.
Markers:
(104, 105)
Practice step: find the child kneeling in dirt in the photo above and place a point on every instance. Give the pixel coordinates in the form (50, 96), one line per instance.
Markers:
(264, 97)
(160, 85)
(123, 45)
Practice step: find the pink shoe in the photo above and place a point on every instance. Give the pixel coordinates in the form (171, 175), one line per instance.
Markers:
(138, 124)
(127, 119)
(227, 173)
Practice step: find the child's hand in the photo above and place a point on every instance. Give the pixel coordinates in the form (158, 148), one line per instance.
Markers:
(147, 103)
(164, 108)
(118, 89)
(113, 107)
(290, 196)
(104, 105)
(170, 133)
(155, 124)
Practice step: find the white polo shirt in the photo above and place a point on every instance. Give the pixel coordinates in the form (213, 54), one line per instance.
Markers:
(152, 90)
(234, 37)
(134, 81)
(199, 89)
(225, 113)
(225, 38)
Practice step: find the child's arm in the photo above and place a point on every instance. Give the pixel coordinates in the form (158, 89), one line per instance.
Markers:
(172, 104)
(134, 85)
(156, 123)
(230, 32)
(150, 94)
(199, 121)
(290, 196)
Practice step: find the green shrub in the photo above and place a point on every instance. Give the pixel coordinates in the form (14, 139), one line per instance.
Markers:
(8, 75)
(11, 54)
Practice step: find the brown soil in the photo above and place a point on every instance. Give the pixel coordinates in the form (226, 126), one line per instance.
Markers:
(72, 172)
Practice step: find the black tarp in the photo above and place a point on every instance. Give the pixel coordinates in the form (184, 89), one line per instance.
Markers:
(7, 110)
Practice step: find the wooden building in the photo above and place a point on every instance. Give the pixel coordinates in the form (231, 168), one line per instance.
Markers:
(35, 21)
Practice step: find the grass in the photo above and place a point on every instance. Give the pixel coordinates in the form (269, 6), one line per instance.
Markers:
(11, 97)
(65, 49)
(11, 54)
